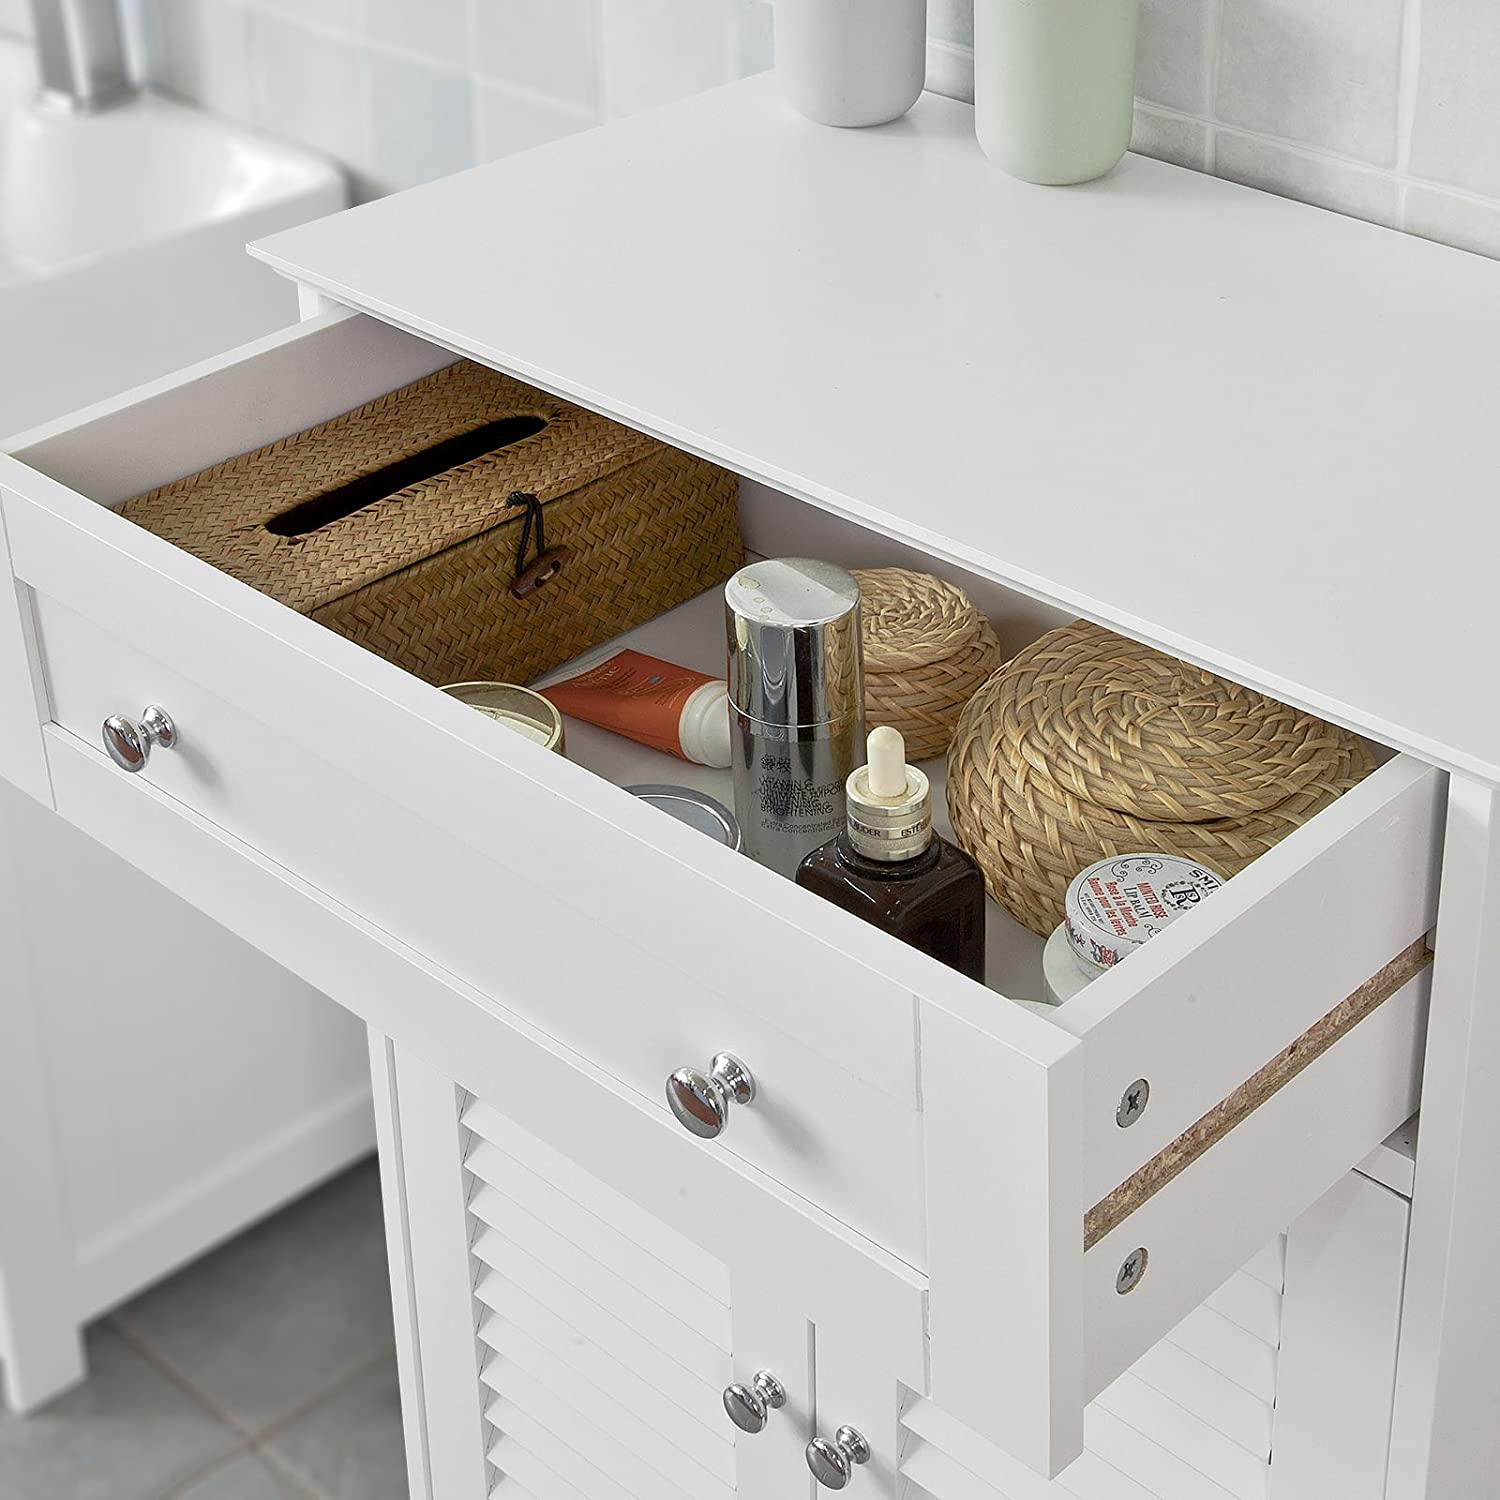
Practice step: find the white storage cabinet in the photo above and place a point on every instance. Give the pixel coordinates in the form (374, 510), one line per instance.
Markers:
(931, 1224)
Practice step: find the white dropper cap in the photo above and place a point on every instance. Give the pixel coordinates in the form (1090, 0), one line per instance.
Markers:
(889, 802)
(886, 752)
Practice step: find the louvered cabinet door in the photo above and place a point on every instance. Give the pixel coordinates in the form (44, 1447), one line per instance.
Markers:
(1278, 1387)
(570, 1345)
(1191, 1420)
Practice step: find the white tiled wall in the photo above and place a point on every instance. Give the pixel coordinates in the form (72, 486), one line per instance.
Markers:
(1387, 109)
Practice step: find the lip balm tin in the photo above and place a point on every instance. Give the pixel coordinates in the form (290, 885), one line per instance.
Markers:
(1112, 908)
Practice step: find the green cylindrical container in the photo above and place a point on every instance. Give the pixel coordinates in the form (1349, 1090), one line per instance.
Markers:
(1054, 85)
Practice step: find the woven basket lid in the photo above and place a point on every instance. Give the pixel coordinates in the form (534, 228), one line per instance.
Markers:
(1125, 727)
(1087, 745)
(926, 650)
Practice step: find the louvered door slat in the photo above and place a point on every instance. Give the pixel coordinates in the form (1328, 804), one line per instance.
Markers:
(564, 1451)
(1161, 1472)
(1187, 1437)
(1231, 1351)
(937, 1474)
(601, 1338)
(705, 1367)
(530, 1366)
(1269, 1266)
(690, 1416)
(508, 1487)
(504, 1180)
(1211, 1397)
(521, 1470)
(581, 1426)
(697, 1346)
(627, 1218)
(708, 1448)
(501, 1248)
(1252, 1304)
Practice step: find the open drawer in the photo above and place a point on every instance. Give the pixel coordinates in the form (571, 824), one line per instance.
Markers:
(976, 1140)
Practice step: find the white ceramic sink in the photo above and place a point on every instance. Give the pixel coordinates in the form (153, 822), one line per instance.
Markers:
(122, 240)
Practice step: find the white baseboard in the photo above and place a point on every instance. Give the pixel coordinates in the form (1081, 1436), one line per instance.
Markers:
(950, 70)
(113, 1267)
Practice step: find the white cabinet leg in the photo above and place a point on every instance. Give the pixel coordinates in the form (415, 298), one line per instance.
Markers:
(40, 1346)
(1445, 1440)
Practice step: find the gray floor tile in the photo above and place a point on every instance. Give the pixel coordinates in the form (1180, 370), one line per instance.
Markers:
(127, 1433)
(350, 1446)
(247, 1477)
(265, 1325)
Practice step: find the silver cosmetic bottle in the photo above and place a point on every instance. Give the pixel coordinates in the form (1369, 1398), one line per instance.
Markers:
(796, 704)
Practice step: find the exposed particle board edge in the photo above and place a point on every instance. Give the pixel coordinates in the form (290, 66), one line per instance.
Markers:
(1175, 1158)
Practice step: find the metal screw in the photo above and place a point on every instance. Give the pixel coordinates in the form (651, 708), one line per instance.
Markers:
(1133, 1103)
(1132, 1270)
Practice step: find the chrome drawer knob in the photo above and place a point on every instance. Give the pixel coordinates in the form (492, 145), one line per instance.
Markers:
(129, 743)
(832, 1464)
(701, 1101)
(750, 1406)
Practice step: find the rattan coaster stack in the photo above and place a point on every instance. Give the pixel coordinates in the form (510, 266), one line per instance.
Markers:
(927, 649)
(1088, 745)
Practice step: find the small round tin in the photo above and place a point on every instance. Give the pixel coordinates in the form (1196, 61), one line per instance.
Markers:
(1117, 904)
(519, 709)
(696, 809)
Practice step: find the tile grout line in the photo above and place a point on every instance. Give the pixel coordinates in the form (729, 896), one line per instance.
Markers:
(262, 1444)
(164, 1366)
(185, 1482)
(289, 1474)
(249, 1435)
(1213, 41)
(1409, 67)
(248, 1440)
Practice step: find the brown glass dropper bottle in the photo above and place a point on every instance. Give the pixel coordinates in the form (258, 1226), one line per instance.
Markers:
(892, 869)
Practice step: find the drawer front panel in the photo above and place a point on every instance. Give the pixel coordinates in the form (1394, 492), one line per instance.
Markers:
(551, 825)
(849, 1147)
(733, 1213)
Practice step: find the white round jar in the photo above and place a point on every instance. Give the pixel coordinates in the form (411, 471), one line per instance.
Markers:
(1114, 907)
(851, 62)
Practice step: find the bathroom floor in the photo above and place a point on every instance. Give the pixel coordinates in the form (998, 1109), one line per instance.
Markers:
(264, 1371)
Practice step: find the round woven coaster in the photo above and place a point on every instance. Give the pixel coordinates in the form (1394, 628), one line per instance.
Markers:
(1088, 745)
(927, 649)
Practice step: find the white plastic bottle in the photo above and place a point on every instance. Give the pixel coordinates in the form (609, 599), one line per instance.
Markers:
(1054, 85)
(851, 62)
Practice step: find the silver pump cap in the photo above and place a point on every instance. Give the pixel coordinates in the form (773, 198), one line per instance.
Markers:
(794, 646)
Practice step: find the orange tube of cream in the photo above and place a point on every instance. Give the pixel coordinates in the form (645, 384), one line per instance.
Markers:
(670, 708)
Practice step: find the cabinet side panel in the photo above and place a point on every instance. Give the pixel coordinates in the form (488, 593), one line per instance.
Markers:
(40, 1350)
(22, 758)
(1444, 1440)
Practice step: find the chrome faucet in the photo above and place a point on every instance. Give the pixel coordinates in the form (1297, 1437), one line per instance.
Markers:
(80, 52)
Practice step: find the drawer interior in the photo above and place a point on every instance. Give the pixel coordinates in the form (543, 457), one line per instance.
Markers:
(293, 381)
(148, 440)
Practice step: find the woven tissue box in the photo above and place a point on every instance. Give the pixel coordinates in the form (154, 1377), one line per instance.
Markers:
(1087, 745)
(464, 527)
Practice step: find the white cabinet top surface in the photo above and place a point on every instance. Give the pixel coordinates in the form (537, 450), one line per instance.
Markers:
(1256, 434)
